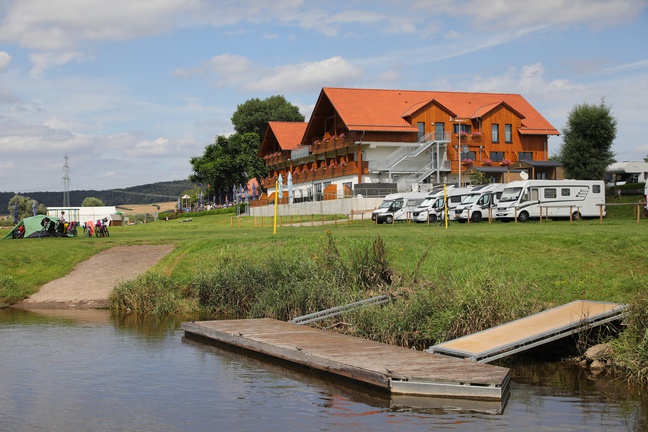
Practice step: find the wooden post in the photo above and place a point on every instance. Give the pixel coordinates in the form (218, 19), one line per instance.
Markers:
(232, 222)
(468, 213)
(515, 214)
(600, 214)
(239, 221)
(570, 215)
(490, 215)
(541, 213)
(312, 219)
(638, 212)
(255, 221)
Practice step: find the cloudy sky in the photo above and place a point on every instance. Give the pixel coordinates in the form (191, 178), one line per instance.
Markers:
(131, 89)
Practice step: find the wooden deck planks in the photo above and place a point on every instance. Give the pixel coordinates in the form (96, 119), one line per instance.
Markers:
(533, 327)
(396, 369)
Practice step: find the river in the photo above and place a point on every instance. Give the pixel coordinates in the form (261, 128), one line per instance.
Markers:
(85, 370)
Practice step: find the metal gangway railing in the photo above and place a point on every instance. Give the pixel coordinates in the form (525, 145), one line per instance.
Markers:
(339, 310)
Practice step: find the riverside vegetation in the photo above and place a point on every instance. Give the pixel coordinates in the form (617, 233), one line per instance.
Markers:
(442, 283)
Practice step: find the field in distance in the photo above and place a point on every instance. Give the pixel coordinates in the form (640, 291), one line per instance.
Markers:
(133, 209)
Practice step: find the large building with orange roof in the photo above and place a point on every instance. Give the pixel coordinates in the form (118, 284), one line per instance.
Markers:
(404, 137)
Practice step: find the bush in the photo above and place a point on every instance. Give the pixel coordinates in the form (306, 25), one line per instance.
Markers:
(9, 292)
(631, 347)
(153, 294)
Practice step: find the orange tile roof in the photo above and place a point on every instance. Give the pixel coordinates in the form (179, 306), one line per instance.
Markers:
(288, 134)
(384, 110)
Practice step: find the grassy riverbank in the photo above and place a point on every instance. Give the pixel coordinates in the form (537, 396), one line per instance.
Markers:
(443, 282)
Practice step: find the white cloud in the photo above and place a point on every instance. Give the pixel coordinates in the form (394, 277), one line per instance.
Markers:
(307, 76)
(511, 14)
(227, 69)
(64, 24)
(5, 59)
(44, 61)
(148, 148)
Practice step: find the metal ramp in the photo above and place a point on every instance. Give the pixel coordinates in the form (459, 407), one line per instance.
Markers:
(534, 330)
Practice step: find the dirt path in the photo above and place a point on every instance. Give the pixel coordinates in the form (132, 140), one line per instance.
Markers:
(90, 282)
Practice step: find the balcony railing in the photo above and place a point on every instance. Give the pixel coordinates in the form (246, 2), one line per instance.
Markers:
(322, 173)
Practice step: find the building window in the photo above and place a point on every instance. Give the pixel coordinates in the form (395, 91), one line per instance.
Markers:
(526, 156)
(470, 155)
(456, 127)
(495, 133)
(421, 130)
(497, 156)
(508, 133)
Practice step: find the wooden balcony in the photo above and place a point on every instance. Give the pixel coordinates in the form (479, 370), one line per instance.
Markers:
(321, 174)
(331, 144)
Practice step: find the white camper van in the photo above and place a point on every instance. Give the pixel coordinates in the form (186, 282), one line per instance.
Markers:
(476, 204)
(556, 198)
(436, 211)
(425, 212)
(397, 207)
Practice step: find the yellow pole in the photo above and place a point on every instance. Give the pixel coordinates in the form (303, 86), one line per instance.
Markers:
(445, 205)
(274, 231)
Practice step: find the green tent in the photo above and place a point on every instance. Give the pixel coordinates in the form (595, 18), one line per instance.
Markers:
(33, 226)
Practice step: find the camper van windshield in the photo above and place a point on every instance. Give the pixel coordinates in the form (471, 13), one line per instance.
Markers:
(511, 194)
(427, 202)
(386, 204)
(469, 199)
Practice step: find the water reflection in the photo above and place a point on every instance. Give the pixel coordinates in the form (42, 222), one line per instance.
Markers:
(87, 370)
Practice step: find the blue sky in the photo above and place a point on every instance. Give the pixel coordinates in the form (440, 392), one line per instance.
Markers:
(132, 89)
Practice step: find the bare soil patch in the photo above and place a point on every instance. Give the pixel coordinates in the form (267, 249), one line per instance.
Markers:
(133, 209)
(91, 281)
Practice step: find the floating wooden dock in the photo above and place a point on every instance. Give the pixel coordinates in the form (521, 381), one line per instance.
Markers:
(394, 369)
(532, 331)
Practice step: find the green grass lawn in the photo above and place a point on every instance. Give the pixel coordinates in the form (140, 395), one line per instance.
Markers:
(554, 262)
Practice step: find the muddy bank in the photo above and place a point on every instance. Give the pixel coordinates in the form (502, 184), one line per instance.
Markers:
(90, 282)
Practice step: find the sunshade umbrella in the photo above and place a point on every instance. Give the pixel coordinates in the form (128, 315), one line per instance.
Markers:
(280, 189)
(34, 208)
(290, 188)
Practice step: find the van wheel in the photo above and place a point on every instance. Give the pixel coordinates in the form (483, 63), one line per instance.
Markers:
(576, 216)
(389, 219)
(433, 218)
(476, 217)
(523, 217)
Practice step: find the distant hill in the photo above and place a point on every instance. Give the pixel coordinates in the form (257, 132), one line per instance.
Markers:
(144, 194)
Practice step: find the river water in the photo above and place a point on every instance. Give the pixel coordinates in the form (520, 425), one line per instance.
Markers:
(88, 371)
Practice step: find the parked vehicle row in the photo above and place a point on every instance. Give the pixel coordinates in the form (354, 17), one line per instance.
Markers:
(521, 200)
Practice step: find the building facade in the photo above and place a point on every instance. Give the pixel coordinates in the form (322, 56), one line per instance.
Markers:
(410, 139)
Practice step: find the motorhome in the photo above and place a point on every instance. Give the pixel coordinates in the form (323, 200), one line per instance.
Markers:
(436, 211)
(525, 199)
(479, 203)
(425, 211)
(398, 207)
(620, 173)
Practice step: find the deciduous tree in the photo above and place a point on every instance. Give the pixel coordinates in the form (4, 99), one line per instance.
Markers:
(588, 138)
(233, 161)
